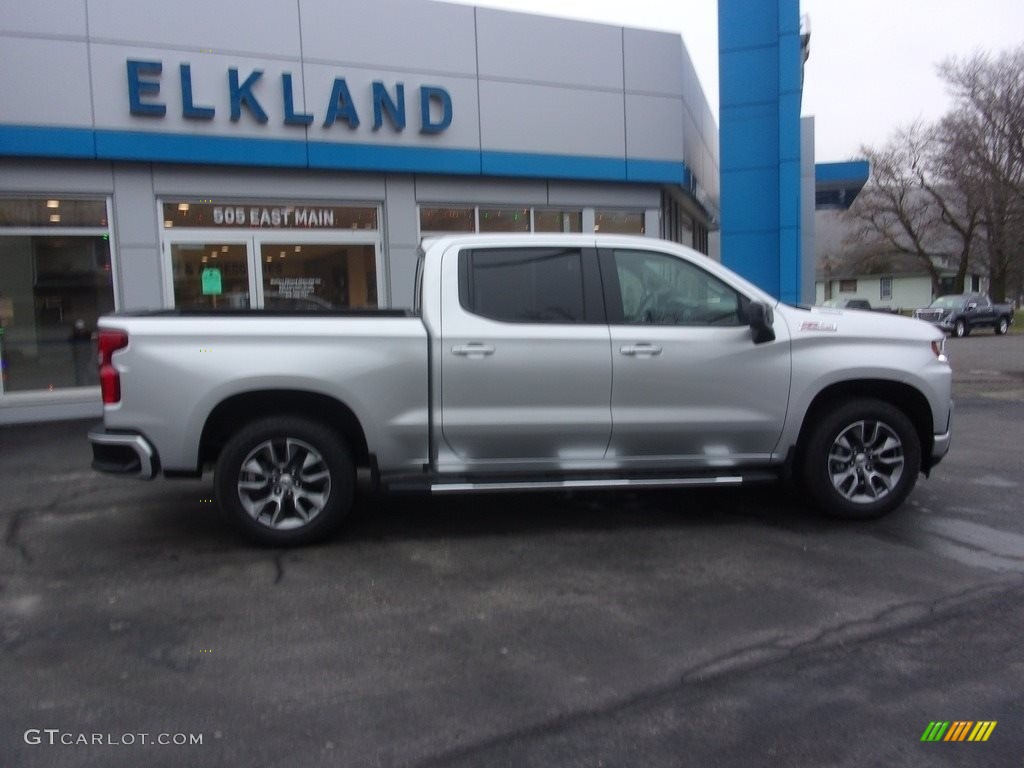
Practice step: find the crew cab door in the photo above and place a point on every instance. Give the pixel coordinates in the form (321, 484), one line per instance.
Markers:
(525, 359)
(690, 389)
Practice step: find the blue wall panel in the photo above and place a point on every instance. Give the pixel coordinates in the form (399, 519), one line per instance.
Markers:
(753, 207)
(760, 71)
(752, 75)
(762, 272)
(751, 131)
(751, 24)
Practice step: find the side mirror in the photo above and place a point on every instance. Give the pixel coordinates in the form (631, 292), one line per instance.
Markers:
(761, 319)
(971, 307)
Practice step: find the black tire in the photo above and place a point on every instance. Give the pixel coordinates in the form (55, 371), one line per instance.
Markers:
(861, 460)
(1002, 326)
(961, 329)
(285, 480)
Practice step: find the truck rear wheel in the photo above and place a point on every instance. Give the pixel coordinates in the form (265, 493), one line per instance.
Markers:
(862, 460)
(285, 480)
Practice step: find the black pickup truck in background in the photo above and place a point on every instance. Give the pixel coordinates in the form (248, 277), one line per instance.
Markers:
(960, 314)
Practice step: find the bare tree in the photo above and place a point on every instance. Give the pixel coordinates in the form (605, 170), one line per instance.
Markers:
(908, 205)
(986, 139)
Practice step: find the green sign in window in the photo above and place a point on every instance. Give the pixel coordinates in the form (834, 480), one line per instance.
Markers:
(212, 282)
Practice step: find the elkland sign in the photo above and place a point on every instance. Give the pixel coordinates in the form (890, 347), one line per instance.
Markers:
(435, 103)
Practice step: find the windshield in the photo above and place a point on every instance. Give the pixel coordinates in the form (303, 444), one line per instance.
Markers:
(947, 302)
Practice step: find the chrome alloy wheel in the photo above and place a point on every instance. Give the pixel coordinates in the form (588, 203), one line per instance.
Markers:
(865, 462)
(284, 483)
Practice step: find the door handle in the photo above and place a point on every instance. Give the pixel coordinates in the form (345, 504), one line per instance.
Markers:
(473, 350)
(640, 350)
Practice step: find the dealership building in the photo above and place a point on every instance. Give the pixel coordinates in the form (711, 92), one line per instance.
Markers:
(293, 156)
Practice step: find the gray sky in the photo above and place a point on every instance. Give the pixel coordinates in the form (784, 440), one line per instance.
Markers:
(872, 65)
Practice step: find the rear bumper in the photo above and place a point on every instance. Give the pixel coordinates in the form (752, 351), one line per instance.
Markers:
(122, 453)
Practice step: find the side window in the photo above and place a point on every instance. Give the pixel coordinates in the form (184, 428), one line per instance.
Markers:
(523, 285)
(658, 289)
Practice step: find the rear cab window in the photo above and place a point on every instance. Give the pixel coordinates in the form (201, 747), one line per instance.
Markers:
(552, 285)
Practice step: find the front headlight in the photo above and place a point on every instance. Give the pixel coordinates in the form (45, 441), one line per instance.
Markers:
(939, 349)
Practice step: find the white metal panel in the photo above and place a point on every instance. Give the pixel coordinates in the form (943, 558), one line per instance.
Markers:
(578, 193)
(51, 177)
(654, 127)
(541, 49)
(258, 183)
(44, 82)
(653, 62)
(519, 117)
(391, 34)
(44, 17)
(446, 189)
(271, 29)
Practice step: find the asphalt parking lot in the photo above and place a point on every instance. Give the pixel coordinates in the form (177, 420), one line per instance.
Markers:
(636, 629)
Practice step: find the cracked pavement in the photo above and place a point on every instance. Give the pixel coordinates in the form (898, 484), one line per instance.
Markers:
(727, 628)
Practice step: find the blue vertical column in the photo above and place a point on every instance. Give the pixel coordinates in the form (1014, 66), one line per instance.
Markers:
(760, 85)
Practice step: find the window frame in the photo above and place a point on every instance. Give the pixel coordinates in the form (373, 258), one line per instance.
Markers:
(590, 283)
(885, 283)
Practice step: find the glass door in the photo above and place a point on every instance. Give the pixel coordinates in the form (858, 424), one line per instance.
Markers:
(213, 273)
(286, 270)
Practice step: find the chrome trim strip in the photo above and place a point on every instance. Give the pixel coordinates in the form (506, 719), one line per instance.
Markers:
(668, 482)
(137, 443)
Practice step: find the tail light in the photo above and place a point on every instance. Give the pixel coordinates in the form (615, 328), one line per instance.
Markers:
(108, 342)
(939, 349)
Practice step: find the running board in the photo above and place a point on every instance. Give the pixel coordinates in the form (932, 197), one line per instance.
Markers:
(561, 485)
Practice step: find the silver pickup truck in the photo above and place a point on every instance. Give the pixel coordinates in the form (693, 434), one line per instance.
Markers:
(528, 362)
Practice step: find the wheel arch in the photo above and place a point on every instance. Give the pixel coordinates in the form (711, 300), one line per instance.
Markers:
(238, 410)
(902, 396)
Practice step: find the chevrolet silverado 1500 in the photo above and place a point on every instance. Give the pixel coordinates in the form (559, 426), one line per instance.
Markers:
(527, 362)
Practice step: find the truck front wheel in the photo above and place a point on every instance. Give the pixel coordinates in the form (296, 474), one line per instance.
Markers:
(862, 460)
(285, 480)
(1002, 326)
(961, 329)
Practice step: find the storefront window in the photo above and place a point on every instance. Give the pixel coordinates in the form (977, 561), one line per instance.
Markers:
(619, 222)
(557, 221)
(465, 218)
(52, 213)
(504, 219)
(447, 219)
(55, 282)
(318, 277)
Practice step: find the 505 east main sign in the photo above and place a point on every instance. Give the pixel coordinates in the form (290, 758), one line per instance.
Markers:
(435, 103)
